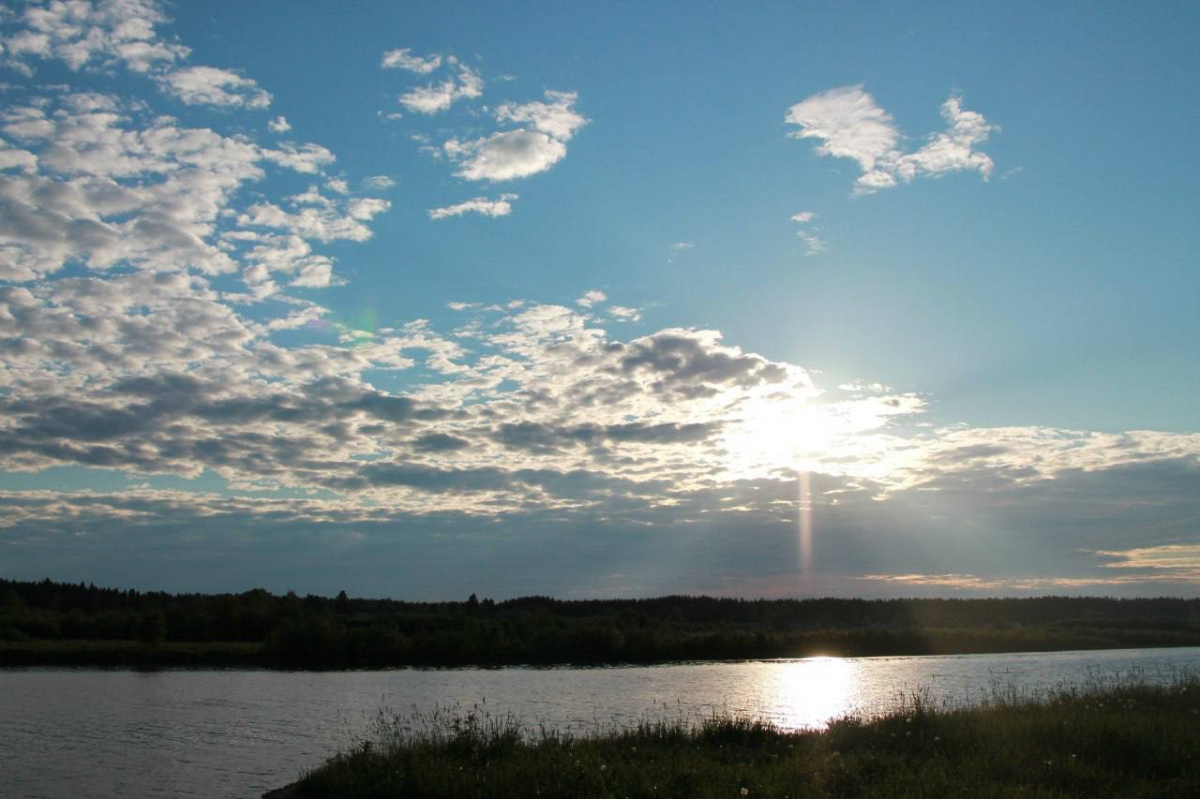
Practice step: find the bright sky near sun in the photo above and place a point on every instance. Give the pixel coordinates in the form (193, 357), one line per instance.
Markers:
(428, 299)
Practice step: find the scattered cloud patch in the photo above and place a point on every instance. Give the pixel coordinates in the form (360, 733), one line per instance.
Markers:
(212, 86)
(532, 138)
(404, 59)
(850, 124)
(625, 313)
(813, 244)
(556, 117)
(479, 205)
(591, 298)
(86, 35)
(379, 182)
(437, 97)
(279, 125)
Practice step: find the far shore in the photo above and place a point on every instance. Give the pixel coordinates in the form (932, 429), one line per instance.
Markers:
(238, 654)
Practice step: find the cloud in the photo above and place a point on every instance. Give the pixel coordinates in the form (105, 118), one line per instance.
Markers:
(1179, 561)
(591, 297)
(404, 59)
(437, 97)
(512, 154)
(478, 205)
(556, 118)
(157, 327)
(379, 182)
(813, 244)
(624, 313)
(849, 124)
(506, 156)
(279, 125)
(86, 34)
(219, 87)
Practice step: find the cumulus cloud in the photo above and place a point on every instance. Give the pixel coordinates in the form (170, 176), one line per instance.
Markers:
(506, 155)
(556, 118)
(404, 59)
(519, 153)
(479, 205)
(591, 298)
(437, 97)
(279, 125)
(128, 349)
(219, 87)
(850, 124)
(86, 34)
(379, 182)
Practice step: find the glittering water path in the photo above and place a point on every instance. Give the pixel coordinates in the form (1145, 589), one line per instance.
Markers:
(236, 733)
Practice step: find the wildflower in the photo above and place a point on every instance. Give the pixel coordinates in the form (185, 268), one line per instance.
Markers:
(937, 738)
(745, 791)
(603, 767)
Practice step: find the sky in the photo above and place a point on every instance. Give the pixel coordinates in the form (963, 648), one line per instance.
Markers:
(593, 300)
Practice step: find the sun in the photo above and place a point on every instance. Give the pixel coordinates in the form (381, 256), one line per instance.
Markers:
(771, 434)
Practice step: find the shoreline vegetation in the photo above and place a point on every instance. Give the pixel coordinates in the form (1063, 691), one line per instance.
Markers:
(48, 623)
(1107, 740)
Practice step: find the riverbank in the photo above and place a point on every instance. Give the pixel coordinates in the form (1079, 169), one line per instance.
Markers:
(1128, 741)
(698, 647)
(47, 623)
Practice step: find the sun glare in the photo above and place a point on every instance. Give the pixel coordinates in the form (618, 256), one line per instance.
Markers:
(810, 692)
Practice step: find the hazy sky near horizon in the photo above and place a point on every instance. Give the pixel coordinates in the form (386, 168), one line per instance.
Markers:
(440, 298)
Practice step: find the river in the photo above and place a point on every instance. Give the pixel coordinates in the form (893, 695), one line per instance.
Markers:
(74, 732)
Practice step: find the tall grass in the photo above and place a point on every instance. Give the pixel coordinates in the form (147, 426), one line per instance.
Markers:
(1126, 739)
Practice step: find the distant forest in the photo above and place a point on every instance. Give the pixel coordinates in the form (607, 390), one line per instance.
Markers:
(49, 622)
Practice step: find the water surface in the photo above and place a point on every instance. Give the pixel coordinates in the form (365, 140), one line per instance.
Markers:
(69, 733)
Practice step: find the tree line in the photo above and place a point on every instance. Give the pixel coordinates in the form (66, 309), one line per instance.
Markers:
(339, 631)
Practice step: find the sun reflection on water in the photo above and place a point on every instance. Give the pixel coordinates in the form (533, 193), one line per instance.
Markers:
(806, 694)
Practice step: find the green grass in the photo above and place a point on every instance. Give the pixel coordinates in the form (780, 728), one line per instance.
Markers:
(1134, 740)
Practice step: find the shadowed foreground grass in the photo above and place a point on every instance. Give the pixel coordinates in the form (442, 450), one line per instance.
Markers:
(1129, 741)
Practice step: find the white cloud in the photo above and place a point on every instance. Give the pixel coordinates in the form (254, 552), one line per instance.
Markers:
(279, 125)
(680, 246)
(556, 118)
(404, 59)
(506, 156)
(478, 205)
(850, 124)
(212, 86)
(512, 154)
(591, 298)
(624, 313)
(378, 182)
(813, 244)
(86, 34)
(437, 97)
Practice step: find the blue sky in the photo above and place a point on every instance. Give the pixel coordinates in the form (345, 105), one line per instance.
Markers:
(546, 298)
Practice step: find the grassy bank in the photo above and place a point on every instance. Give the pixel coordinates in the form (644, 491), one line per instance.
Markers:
(1129, 741)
